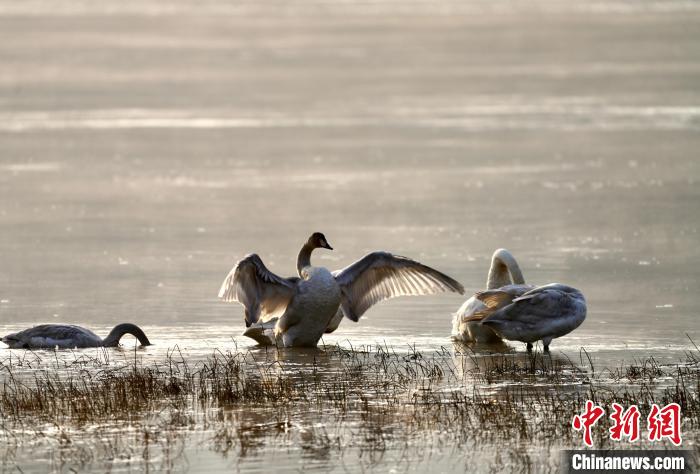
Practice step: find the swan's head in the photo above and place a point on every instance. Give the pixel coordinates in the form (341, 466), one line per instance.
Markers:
(318, 241)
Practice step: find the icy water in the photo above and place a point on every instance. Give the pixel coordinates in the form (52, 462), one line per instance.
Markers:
(146, 146)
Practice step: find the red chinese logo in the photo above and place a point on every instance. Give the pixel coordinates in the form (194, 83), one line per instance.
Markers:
(661, 422)
(625, 423)
(665, 423)
(586, 421)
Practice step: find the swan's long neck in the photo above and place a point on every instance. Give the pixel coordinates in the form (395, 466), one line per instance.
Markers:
(504, 270)
(112, 340)
(304, 258)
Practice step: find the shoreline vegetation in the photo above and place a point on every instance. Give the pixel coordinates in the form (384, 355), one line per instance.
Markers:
(366, 404)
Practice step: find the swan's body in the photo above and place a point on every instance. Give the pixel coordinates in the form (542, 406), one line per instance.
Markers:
(306, 318)
(297, 311)
(504, 274)
(544, 313)
(67, 336)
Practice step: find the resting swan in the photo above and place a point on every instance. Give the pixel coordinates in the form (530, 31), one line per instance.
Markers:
(67, 336)
(504, 274)
(296, 311)
(543, 313)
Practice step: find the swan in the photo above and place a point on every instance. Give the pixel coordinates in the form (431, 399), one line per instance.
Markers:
(68, 336)
(297, 311)
(505, 274)
(543, 313)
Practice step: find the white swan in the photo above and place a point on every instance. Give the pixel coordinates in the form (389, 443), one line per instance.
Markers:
(505, 274)
(67, 336)
(297, 311)
(543, 313)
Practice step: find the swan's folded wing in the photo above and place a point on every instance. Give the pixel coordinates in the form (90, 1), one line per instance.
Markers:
(50, 335)
(544, 302)
(381, 275)
(263, 294)
(57, 331)
(496, 299)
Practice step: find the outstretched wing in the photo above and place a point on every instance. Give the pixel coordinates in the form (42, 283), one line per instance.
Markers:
(380, 275)
(263, 294)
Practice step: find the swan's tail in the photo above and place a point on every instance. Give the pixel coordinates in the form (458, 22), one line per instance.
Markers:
(12, 341)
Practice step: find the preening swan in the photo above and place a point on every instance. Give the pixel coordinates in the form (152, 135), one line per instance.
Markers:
(543, 313)
(505, 274)
(296, 311)
(67, 336)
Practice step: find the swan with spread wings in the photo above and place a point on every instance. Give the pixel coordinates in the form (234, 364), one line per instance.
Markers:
(297, 311)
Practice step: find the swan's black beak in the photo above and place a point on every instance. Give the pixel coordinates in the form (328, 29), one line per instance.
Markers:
(326, 245)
